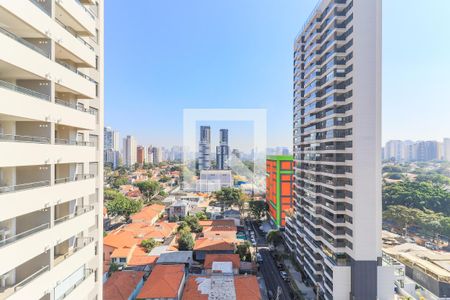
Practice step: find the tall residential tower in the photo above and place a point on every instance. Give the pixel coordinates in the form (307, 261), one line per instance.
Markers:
(222, 151)
(51, 153)
(204, 156)
(129, 151)
(337, 144)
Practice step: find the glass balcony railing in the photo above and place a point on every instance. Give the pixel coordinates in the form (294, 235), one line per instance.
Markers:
(23, 186)
(77, 177)
(75, 70)
(76, 106)
(90, 13)
(25, 42)
(78, 212)
(84, 242)
(41, 7)
(24, 138)
(87, 273)
(19, 236)
(73, 142)
(73, 32)
(22, 90)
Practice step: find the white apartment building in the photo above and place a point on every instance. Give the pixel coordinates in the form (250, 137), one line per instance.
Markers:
(156, 155)
(446, 149)
(111, 147)
(337, 144)
(51, 149)
(129, 151)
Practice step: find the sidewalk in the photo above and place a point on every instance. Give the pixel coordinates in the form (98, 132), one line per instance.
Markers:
(308, 292)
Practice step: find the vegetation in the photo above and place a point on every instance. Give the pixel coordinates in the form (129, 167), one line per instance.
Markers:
(149, 244)
(201, 216)
(185, 241)
(149, 189)
(119, 180)
(428, 222)
(192, 222)
(420, 195)
(230, 196)
(244, 251)
(258, 209)
(164, 179)
(123, 206)
(274, 237)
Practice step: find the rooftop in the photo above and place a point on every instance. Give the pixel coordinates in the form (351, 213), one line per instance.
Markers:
(148, 213)
(175, 257)
(434, 263)
(163, 282)
(233, 258)
(206, 244)
(121, 285)
(246, 287)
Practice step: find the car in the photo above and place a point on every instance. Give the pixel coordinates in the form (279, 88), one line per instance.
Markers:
(253, 243)
(259, 258)
(283, 275)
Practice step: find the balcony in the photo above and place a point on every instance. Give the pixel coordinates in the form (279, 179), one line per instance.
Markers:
(76, 177)
(78, 212)
(71, 284)
(29, 92)
(26, 43)
(24, 186)
(65, 249)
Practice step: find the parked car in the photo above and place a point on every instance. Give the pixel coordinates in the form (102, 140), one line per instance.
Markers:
(283, 275)
(259, 258)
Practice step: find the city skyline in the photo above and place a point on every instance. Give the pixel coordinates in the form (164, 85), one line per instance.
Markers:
(217, 46)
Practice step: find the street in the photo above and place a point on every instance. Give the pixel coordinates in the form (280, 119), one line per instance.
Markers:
(268, 267)
(272, 277)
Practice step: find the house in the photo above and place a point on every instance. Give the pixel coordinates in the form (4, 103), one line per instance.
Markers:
(204, 246)
(118, 241)
(210, 259)
(141, 260)
(176, 257)
(219, 229)
(214, 212)
(123, 285)
(222, 286)
(164, 282)
(149, 214)
(232, 214)
(178, 210)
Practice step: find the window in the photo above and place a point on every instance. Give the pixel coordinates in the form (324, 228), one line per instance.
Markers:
(123, 259)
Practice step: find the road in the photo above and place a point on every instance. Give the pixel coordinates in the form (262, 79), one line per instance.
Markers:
(272, 276)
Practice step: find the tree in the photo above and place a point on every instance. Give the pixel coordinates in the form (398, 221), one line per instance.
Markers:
(244, 250)
(401, 215)
(229, 196)
(149, 244)
(185, 241)
(164, 179)
(201, 215)
(183, 226)
(258, 209)
(274, 237)
(149, 189)
(192, 222)
(118, 181)
(110, 194)
(123, 206)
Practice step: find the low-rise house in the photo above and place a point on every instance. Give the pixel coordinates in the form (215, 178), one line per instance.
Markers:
(176, 257)
(233, 214)
(178, 210)
(211, 259)
(149, 214)
(123, 285)
(214, 212)
(222, 286)
(219, 229)
(204, 246)
(164, 282)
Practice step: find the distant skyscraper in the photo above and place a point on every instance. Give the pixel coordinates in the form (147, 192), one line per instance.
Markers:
(426, 151)
(204, 157)
(337, 144)
(129, 151)
(140, 155)
(222, 151)
(446, 149)
(111, 147)
(157, 155)
(150, 154)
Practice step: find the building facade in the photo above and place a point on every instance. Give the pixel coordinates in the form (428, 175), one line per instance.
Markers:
(337, 144)
(111, 148)
(204, 148)
(446, 149)
(129, 151)
(51, 162)
(222, 151)
(279, 180)
(157, 155)
(140, 155)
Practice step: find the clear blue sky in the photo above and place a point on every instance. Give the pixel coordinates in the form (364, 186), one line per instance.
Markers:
(164, 56)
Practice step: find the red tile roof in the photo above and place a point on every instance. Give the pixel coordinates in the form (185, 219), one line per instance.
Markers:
(163, 282)
(121, 285)
(140, 257)
(210, 258)
(205, 244)
(148, 213)
(191, 291)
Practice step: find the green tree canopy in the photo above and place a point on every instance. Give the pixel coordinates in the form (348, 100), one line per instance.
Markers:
(274, 237)
(149, 189)
(258, 209)
(244, 251)
(192, 222)
(185, 241)
(120, 180)
(123, 206)
(229, 196)
(149, 244)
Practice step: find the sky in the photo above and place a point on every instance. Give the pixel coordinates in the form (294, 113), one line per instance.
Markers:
(165, 56)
